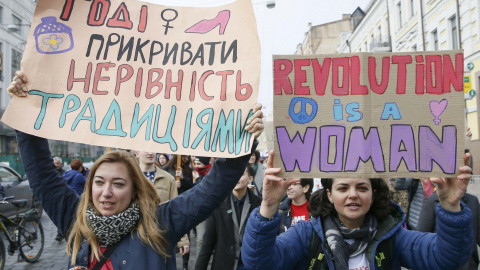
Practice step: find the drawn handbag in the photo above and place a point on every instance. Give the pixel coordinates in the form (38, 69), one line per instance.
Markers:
(52, 37)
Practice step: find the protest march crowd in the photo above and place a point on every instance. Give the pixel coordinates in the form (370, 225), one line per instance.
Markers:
(134, 210)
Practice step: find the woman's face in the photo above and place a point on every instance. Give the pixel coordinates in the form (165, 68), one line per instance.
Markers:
(252, 160)
(162, 160)
(198, 164)
(352, 199)
(185, 160)
(112, 188)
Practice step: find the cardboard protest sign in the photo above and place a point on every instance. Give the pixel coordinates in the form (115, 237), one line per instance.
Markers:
(136, 75)
(369, 114)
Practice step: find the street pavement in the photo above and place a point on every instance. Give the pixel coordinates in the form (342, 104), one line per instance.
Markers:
(54, 254)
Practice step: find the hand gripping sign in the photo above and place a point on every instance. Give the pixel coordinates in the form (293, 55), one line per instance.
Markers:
(136, 75)
(369, 114)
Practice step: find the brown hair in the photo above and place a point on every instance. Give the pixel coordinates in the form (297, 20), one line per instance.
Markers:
(76, 164)
(148, 226)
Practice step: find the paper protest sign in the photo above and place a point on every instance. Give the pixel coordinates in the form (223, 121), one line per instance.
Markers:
(142, 76)
(369, 114)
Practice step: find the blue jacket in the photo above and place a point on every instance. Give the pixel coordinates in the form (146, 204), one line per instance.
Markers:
(177, 216)
(75, 180)
(450, 248)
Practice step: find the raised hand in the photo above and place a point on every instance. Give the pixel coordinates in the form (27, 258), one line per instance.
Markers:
(274, 189)
(451, 190)
(18, 87)
(255, 123)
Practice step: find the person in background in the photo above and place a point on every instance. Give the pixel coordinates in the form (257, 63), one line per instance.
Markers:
(355, 225)
(294, 207)
(418, 190)
(75, 179)
(428, 217)
(120, 210)
(202, 167)
(58, 164)
(226, 226)
(259, 170)
(400, 197)
(184, 172)
(85, 171)
(162, 161)
(164, 185)
(186, 182)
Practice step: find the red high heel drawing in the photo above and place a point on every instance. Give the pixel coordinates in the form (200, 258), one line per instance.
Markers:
(205, 26)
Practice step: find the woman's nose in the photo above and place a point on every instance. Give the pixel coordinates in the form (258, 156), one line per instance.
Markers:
(352, 194)
(107, 191)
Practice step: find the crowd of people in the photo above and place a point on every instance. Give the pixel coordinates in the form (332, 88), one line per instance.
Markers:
(135, 210)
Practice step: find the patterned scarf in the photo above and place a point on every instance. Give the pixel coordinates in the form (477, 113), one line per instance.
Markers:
(336, 232)
(203, 171)
(111, 229)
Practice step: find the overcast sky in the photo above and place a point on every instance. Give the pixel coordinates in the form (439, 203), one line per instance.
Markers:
(280, 29)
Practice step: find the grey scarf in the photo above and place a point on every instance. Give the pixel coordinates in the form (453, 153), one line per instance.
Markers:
(336, 233)
(111, 229)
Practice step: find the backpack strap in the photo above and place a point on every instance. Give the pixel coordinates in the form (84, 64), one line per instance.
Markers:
(316, 255)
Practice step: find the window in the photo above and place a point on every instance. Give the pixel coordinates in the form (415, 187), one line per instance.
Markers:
(7, 176)
(2, 61)
(435, 39)
(16, 58)
(453, 24)
(18, 22)
(399, 13)
(1, 14)
(379, 34)
(412, 8)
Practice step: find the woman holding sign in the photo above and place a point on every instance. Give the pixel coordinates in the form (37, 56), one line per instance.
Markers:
(354, 225)
(118, 222)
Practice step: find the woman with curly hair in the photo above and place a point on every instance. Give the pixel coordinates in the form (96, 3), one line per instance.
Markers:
(354, 225)
(119, 223)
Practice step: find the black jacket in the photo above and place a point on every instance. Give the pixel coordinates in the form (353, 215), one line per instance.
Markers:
(220, 235)
(427, 222)
(285, 209)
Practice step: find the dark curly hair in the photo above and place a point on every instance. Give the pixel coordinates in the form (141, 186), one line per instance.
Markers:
(320, 205)
(307, 181)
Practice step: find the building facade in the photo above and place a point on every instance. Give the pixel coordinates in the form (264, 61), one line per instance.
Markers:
(15, 19)
(324, 38)
(426, 25)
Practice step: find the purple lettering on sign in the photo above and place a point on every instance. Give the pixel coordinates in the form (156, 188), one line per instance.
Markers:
(297, 151)
(402, 146)
(364, 148)
(443, 152)
(326, 132)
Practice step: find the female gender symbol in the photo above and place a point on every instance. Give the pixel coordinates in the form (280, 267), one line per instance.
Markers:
(437, 108)
(168, 20)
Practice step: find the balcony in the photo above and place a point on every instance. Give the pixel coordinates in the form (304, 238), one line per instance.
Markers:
(380, 46)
